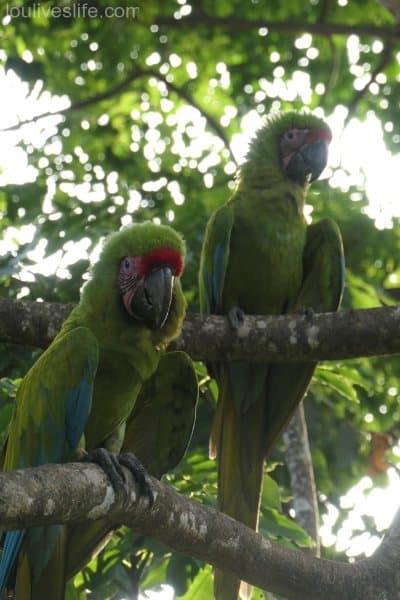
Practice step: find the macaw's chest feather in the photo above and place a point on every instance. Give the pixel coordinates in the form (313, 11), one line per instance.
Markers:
(265, 267)
(115, 391)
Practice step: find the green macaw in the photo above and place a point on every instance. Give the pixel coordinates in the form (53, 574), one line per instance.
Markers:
(260, 257)
(158, 432)
(77, 397)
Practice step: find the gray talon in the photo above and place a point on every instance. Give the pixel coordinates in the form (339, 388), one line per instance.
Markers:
(112, 466)
(236, 317)
(308, 313)
(138, 471)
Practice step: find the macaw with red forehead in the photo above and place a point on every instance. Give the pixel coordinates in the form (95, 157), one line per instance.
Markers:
(260, 257)
(76, 399)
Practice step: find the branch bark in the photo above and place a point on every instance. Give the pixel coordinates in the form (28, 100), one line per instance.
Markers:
(78, 492)
(301, 474)
(287, 338)
(44, 495)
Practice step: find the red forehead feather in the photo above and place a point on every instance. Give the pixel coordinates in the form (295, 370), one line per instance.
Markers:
(162, 256)
(319, 135)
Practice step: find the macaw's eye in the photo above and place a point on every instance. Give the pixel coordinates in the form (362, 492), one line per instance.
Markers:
(292, 140)
(126, 263)
(127, 275)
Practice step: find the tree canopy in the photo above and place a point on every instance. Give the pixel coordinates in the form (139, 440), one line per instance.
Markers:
(127, 115)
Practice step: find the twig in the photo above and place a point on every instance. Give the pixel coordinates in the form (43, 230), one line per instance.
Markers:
(290, 27)
(119, 89)
(359, 95)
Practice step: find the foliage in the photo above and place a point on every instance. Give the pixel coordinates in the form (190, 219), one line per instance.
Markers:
(144, 108)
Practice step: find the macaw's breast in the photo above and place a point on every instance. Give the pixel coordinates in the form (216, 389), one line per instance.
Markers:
(116, 388)
(266, 253)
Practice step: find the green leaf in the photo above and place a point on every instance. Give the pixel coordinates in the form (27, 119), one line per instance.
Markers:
(71, 593)
(339, 383)
(271, 497)
(201, 587)
(276, 525)
(181, 570)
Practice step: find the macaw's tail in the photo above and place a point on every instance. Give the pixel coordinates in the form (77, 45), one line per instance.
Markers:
(10, 546)
(238, 441)
(39, 570)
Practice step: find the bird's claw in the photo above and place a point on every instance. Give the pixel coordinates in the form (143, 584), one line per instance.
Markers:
(133, 464)
(307, 312)
(236, 317)
(112, 466)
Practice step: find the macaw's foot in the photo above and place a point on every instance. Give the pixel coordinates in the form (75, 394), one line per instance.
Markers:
(236, 317)
(307, 312)
(133, 464)
(112, 466)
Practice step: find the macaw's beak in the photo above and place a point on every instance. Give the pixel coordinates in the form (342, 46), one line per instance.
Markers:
(152, 300)
(308, 163)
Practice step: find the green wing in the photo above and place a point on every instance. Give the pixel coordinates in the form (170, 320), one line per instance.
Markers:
(321, 290)
(214, 259)
(157, 432)
(52, 408)
(53, 402)
(161, 424)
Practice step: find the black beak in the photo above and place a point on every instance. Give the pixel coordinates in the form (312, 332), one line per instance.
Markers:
(308, 163)
(152, 300)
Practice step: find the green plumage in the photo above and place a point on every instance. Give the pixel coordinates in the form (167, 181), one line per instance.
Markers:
(159, 428)
(80, 393)
(129, 352)
(158, 432)
(260, 256)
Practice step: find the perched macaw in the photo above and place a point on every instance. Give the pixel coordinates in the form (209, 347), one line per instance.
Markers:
(158, 432)
(77, 397)
(260, 257)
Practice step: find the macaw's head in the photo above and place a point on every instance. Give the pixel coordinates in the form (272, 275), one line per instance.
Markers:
(147, 282)
(141, 266)
(292, 146)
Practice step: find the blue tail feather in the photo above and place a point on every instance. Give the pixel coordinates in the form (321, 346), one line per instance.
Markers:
(11, 545)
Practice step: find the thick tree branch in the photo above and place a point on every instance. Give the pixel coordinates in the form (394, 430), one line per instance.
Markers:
(78, 492)
(301, 473)
(288, 338)
(290, 27)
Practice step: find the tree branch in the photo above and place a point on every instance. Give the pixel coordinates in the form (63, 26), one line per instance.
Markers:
(80, 104)
(301, 473)
(78, 492)
(213, 123)
(286, 338)
(290, 27)
(119, 89)
(359, 95)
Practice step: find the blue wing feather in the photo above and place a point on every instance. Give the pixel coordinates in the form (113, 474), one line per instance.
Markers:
(10, 548)
(78, 408)
(218, 276)
(214, 259)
